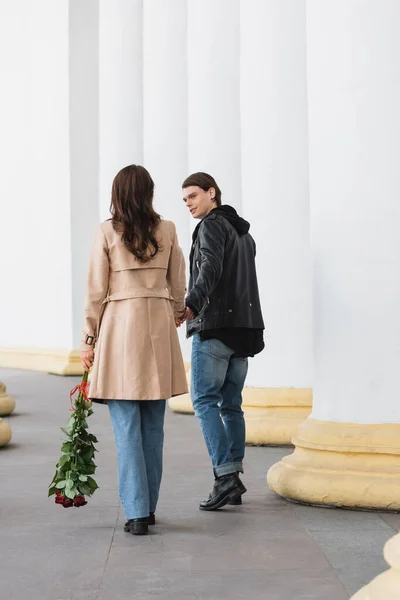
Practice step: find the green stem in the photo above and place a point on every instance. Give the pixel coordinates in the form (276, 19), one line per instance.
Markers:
(84, 380)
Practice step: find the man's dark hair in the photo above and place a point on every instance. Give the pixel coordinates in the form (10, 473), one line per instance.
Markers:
(205, 182)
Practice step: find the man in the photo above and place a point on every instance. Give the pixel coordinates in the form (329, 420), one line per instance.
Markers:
(224, 317)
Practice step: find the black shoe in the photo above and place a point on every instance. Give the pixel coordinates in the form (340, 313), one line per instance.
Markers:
(226, 489)
(151, 519)
(137, 526)
(236, 501)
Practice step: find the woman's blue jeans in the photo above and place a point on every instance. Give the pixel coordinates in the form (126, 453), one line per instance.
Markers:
(139, 436)
(218, 378)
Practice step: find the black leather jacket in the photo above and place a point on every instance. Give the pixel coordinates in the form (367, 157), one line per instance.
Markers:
(223, 289)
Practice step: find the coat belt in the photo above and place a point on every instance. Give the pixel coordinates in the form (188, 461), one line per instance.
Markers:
(139, 293)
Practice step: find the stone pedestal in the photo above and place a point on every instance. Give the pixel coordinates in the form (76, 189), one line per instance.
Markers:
(5, 433)
(273, 415)
(7, 404)
(343, 465)
(387, 585)
(183, 404)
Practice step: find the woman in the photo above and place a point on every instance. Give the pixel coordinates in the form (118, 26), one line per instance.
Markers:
(135, 298)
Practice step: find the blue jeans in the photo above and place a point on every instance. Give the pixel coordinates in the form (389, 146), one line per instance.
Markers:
(139, 436)
(218, 378)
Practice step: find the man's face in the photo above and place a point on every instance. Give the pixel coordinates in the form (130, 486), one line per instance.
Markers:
(199, 202)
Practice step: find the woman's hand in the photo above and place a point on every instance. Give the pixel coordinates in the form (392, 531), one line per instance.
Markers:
(179, 321)
(87, 359)
(186, 316)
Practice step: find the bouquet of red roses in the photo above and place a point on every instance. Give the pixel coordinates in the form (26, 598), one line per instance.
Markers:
(72, 480)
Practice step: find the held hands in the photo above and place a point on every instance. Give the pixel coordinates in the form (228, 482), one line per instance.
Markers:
(188, 315)
(87, 359)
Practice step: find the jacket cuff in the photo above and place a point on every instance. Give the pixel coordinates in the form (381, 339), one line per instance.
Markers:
(192, 308)
(88, 342)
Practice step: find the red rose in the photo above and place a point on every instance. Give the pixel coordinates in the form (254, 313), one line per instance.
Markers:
(79, 501)
(67, 503)
(59, 499)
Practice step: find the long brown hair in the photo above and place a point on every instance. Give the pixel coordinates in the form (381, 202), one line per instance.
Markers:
(133, 215)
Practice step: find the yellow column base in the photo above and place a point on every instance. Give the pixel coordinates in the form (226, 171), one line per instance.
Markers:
(341, 464)
(59, 362)
(183, 404)
(5, 433)
(387, 585)
(7, 404)
(273, 415)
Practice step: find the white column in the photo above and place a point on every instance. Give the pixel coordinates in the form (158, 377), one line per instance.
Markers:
(165, 141)
(348, 453)
(120, 91)
(84, 146)
(354, 124)
(51, 181)
(276, 202)
(165, 107)
(213, 93)
(40, 276)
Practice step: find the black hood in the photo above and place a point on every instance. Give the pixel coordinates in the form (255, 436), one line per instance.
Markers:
(230, 214)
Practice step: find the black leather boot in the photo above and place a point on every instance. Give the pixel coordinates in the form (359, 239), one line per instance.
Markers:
(226, 489)
(137, 526)
(236, 501)
(151, 521)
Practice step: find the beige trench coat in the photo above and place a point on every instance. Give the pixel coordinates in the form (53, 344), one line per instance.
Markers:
(130, 312)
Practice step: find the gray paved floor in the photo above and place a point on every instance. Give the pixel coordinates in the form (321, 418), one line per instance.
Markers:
(267, 549)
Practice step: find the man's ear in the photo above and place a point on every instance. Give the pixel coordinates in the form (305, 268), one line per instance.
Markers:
(213, 193)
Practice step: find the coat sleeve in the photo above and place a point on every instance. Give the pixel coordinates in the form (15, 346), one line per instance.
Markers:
(211, 241)
(96, 290)
(176, 276)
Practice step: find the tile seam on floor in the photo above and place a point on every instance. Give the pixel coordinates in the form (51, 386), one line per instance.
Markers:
(108, 556)
(311, 537)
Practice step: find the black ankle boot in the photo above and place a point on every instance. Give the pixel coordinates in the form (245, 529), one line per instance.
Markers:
(236, 501)
(226, 489)
(137, 526)
(151, 521)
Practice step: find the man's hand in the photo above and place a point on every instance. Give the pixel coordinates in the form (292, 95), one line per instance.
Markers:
(189, 315)
(87, 359)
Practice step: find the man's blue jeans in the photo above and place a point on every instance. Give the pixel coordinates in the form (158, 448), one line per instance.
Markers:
(217, 382)
(139, 436)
